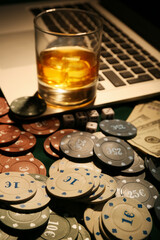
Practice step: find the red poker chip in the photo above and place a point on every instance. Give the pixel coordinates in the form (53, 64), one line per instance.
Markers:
(4, 108)
(6, 119)
(25, 165)
(8, 134)
(44, 127)
(47, 148)
(57, 136)
(7, 159)
(25, 143)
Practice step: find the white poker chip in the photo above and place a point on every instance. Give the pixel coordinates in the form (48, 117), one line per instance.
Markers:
(16, 186)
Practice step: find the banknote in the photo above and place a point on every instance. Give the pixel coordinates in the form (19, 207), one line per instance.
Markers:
(146, 117)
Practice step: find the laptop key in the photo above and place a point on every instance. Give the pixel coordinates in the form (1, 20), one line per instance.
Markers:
(141, 78)
(155, 72)
(114, 78)
(127, 74)
(137, 70)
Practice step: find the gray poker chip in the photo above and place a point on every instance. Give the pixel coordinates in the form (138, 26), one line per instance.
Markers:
(78, 144)
(60, 227)
(28, 106)
(114, 152)
(136, 168)
(137, 188)
(24, 221)
(118, 128)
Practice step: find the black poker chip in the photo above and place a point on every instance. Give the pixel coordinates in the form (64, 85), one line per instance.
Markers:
(114, 152)
(78, 145)
(28, 106)
(154, 168)
(118, 128)
(157, 208)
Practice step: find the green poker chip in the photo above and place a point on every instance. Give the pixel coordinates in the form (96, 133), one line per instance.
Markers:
(60, 227)
(24, 221)
(28, 106)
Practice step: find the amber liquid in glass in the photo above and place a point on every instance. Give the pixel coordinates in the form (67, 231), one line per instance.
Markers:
(67, 75)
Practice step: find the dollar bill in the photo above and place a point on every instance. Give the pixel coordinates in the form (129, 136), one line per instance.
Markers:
(146, 117)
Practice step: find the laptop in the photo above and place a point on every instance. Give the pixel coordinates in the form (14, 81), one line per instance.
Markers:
(129, 65)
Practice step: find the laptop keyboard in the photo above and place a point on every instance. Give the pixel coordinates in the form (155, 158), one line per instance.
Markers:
(122, 61)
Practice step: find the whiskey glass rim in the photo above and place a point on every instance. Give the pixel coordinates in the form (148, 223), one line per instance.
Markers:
(98, 26)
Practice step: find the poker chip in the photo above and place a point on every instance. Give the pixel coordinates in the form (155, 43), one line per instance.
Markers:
(4, 108)
(61, 227)
(118, 128)
(114, 152)
(4, 160)
(39, 177)
(28, 106)
(25, 165)
(83, 233)
(47, 148)
(16, 187)
(43, 127)
(154, 168)
(96, 230)
(24, 221)
(6, 119)
(54, 167)
(137, 166)
(126, 218)
(78, 145)
(57, 136)
(139, 189)
(8, 134)
(72, 183)
(157, 207)
(109, 191)
(38, 201)
(90, 214)
(25, 143)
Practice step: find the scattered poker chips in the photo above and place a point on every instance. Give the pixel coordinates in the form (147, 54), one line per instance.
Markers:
(8, 134)
(114, 152)
(139, 189)
(16, 187)
(126, 218)
(78, 145)
(28, 106)
(118, 128)
(97, 174)
(43, 127)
